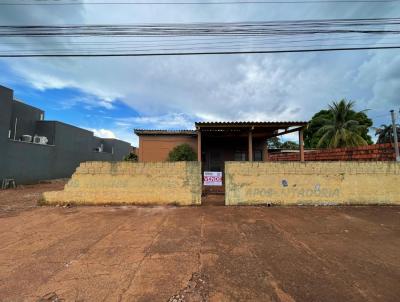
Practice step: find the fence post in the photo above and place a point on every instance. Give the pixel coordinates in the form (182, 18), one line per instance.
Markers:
(396, 141)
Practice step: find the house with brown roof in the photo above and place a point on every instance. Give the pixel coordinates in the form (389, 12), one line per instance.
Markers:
(217, 142)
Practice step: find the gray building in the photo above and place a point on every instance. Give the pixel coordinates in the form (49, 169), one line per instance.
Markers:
(32, 149)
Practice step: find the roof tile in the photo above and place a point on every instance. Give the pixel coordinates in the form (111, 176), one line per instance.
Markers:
(164, 132)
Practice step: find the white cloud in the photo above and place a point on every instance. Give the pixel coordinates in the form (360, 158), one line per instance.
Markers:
(103, 133)
(122, 133)
(173, 92)
(167, 121)
(381, 73)
(87, 101)
(42, 81)
(290, 137)
(125, 126)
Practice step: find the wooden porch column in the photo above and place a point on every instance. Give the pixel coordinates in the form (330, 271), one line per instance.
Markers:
(199, 145)
(301, 144)
(250, 146)
(265, 155)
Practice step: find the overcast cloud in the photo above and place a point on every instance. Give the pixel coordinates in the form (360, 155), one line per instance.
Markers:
(172, 92)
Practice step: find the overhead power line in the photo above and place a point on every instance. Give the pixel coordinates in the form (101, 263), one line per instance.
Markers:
(206, 41)
(196, 53)
(199, 38)
(272, 28)
(59, 3)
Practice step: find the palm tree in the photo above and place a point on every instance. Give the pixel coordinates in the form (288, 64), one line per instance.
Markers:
(385, 133)
(339, 130)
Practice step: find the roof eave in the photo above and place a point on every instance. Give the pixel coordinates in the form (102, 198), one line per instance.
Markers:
(146, 132)
(284, 124)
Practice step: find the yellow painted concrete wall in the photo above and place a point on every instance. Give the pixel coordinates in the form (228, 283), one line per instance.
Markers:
(131, 183)
(288, 183)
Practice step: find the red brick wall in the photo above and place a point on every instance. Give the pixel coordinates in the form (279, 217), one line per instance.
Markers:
(381, 152)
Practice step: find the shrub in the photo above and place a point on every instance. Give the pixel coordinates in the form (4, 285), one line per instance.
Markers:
(131, 157)
(182, 152)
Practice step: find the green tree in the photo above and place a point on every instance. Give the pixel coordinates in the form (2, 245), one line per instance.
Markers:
(274, 143)
(182, 152)
(131, 157)
(290, 145)
(385, 133)
(345, 126)
(310, 137)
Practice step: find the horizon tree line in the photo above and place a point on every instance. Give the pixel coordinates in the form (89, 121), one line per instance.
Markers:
(339, 126)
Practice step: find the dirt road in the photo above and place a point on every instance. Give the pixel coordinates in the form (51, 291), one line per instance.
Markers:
(199, 254)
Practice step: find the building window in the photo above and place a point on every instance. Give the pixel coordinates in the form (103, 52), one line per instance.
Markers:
(240, 156)
(257, 155)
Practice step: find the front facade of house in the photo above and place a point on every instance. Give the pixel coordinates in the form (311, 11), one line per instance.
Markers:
(217, 142)
(155, 145)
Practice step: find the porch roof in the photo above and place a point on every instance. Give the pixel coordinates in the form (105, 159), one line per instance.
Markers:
(269, 128)
(250, 124)
(259, 129)
(165, 132)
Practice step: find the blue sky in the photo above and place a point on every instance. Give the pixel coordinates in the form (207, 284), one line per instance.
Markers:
(112, 96)
(73, 106)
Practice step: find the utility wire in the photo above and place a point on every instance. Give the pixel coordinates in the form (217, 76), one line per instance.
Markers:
(212, 38)
(197, 53)
(176, 47)
(239, 42)
(272, 28)
(58, 3)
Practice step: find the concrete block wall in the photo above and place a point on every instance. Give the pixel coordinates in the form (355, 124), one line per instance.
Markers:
(312, 183)
(160, 183)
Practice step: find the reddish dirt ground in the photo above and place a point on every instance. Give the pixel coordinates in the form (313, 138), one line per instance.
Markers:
(196, 253)
(25, 197)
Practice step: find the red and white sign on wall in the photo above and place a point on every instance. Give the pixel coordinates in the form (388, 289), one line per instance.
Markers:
(212, 178)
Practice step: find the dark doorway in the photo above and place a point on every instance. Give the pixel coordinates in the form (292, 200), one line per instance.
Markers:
(213, 199)
(215, 161)
(215, 151)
